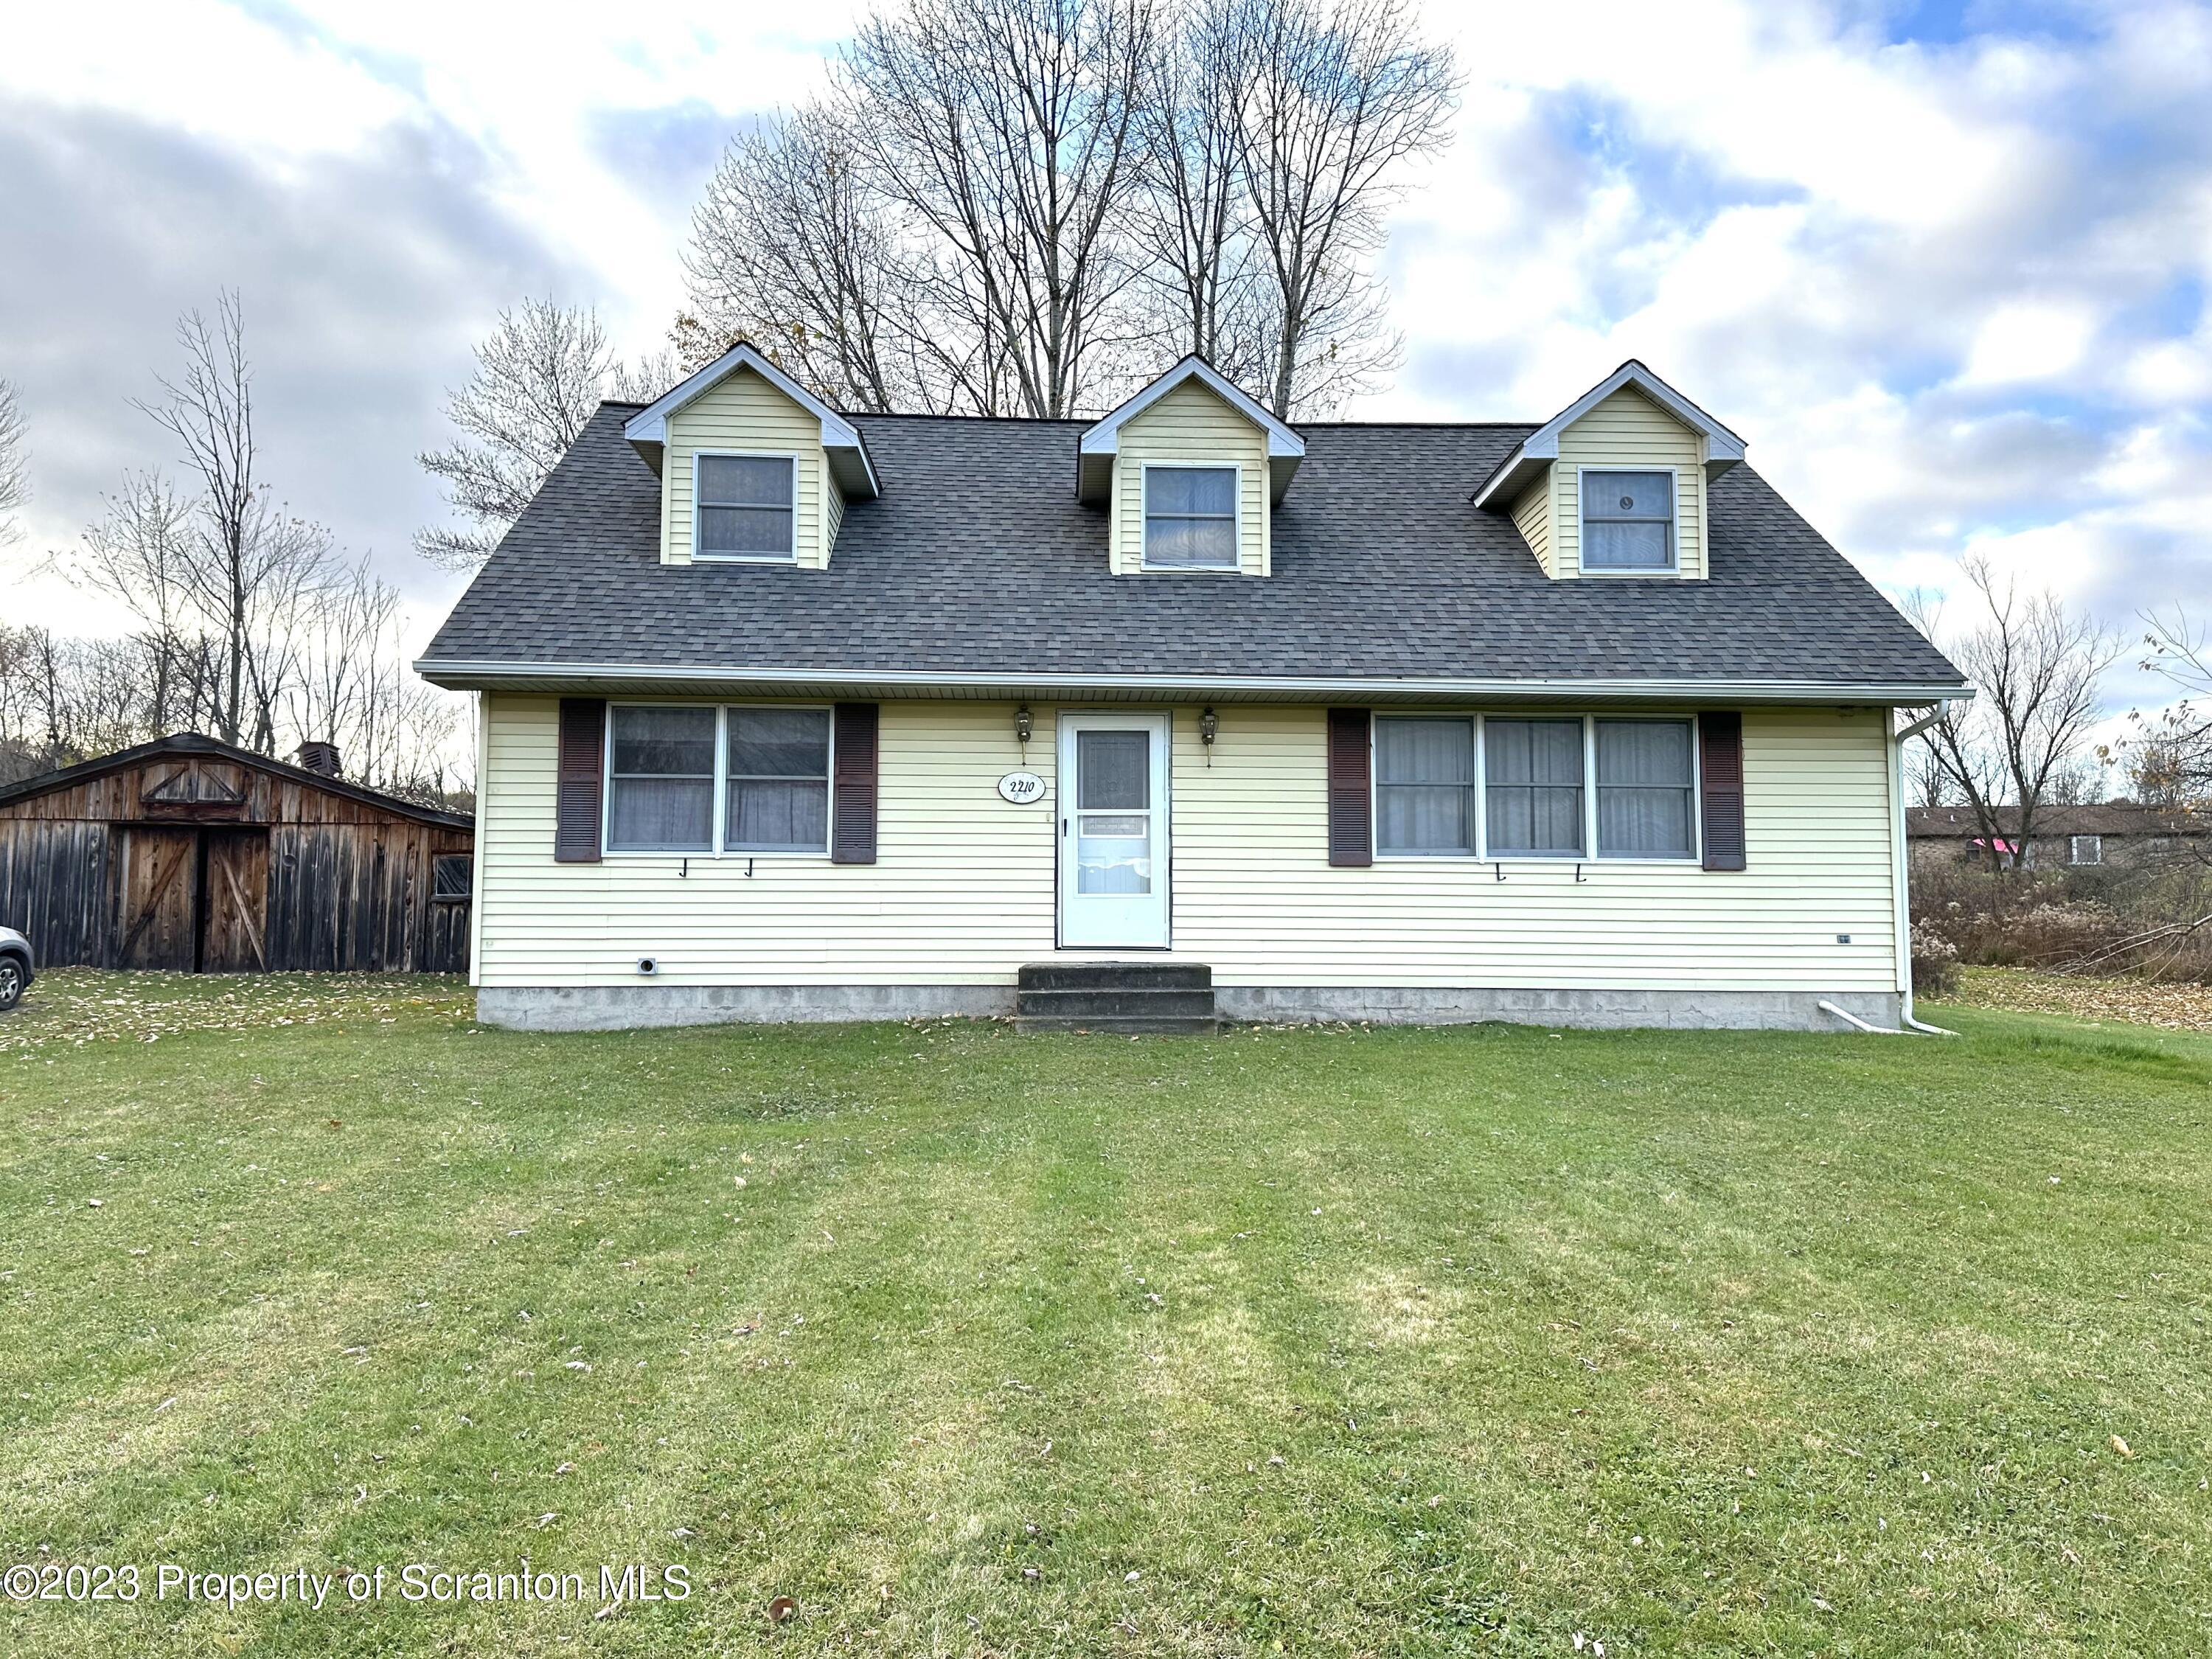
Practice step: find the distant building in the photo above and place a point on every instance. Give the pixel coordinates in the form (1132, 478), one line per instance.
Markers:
(2114, 832)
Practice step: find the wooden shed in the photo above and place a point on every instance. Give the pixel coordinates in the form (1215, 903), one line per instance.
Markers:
(190, 855)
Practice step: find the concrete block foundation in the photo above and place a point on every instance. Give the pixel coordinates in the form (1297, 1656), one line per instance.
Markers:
(618, 1007)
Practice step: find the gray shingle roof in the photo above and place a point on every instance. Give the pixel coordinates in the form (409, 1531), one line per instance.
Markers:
(978, 560)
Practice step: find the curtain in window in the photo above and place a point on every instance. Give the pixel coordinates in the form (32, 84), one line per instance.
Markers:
(779, 780)
(1533, 780)
(745, 504)
(663, 779)
(1113, 771)
(1645, 786)
(1425, 786)
(1113, 823)
(1190, 517)
(1628, 520)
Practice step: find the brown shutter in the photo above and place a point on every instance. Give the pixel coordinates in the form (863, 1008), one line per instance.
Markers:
(576, 790)
(1351, 800)
(1720, 745)
(852, 792)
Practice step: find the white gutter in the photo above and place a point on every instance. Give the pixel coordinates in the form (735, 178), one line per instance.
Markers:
(463, 673)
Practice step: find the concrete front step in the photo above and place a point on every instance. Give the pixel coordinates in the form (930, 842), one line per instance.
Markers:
(1114, 976)
(1122, 1025)
(1122, 998)
(1115, 1004)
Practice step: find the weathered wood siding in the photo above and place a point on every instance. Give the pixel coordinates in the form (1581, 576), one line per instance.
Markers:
(189, 862)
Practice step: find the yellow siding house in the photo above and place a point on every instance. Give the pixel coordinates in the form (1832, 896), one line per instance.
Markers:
(1183, 715)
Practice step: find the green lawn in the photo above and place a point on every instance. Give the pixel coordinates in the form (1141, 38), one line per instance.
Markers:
(1315, 1342)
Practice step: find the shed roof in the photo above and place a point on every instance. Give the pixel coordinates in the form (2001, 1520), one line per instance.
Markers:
(2116, 818)
(194, 743)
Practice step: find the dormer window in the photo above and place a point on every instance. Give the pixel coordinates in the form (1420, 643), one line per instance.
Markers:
(1628, 520)
(1190, 518)
(745, 507)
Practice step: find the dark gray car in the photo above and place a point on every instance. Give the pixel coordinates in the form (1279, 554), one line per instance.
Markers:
(15, 970)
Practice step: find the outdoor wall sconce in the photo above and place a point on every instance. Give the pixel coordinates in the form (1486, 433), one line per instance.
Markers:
(1209, 728)
(1024, 725)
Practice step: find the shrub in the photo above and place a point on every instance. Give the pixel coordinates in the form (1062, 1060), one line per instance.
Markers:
(1935, 963)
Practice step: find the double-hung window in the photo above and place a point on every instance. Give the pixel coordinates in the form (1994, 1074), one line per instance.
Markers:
(1548, 787)
(2085, 849)
(660, 779)
(1423, 785)
(744, 506)
(670, 767)
(1533, 784)
(1628, 520)
(779, 780)
(1646, 789)
(1190, 518)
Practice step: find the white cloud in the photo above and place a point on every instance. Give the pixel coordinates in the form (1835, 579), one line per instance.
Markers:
(1951, 292)
(2029, 340)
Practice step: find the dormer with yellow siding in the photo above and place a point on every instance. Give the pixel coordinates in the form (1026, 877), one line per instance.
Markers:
(754, 468)
(1613, 486)
(1189, 471)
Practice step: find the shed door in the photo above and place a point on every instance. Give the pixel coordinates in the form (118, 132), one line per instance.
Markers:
(158, 890)
(236, 907)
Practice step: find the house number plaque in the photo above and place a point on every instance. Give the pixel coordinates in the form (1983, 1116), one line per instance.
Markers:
(1021, 788)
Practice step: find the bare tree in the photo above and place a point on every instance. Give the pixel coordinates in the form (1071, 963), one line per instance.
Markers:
(538, 379)
(15, 465)
(352, 686)
(65, 700)
(137, 554)
(1005, 128)
(645, 379)
(2172, 762)
(1019, 207)
(1343, 93)
(794, 250)
(1205, 274)
(2036, 668)
(213, 569)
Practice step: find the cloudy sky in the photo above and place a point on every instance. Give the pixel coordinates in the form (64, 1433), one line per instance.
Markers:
(1944, 265)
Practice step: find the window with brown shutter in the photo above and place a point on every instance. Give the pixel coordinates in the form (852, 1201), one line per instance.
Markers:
(1351, 798)
(852, 829)
(1720, 748)
(576, 788)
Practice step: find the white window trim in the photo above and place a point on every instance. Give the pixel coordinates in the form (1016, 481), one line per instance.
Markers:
(1582, 520)
(2074, 852)
(698, 516)
(1145, 471)
(1582, 855)
(1695, 855)
(1592, 853)
(1375, 781)
(721, 786)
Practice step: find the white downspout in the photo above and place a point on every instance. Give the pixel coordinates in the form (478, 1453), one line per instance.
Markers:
(1902, 901)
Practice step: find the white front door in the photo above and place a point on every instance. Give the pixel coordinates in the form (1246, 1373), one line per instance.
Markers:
(1114, 830)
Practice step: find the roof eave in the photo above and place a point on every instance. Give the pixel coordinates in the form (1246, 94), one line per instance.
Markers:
(491, 675)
